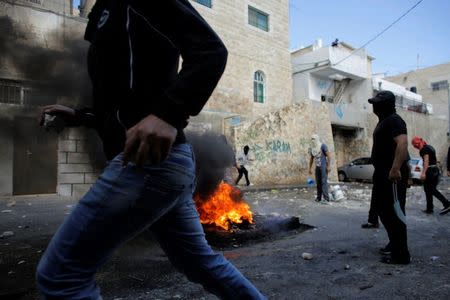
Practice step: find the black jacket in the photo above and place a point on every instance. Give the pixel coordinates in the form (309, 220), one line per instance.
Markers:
(133, 62)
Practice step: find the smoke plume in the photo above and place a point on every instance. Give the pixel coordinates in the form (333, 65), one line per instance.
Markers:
(53, 74)
(213, 155)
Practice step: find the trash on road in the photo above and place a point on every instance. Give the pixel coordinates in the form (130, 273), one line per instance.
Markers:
(6, 234)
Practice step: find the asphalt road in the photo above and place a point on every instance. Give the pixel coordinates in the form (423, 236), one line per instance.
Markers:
(345, 262)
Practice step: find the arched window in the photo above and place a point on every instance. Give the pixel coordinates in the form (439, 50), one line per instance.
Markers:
(259, 87)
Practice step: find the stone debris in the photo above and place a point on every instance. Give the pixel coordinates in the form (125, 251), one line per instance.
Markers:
(347, 267)
(307, 256)
(6, 211)
(6, 234)
(21, 262)
(11, 204)
(434, 258)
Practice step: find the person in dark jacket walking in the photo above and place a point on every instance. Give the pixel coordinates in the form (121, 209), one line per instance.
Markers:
(141, 105)
(390, 179)
(430, 175)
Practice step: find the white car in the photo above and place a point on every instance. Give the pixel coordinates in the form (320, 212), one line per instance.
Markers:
(416, 165)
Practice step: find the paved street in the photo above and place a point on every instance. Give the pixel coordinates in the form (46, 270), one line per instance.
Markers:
(344, 264)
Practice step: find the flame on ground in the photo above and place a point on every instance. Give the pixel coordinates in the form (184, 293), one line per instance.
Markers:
(224, 207)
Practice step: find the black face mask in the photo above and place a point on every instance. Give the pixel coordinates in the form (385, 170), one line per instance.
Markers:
(383, 109)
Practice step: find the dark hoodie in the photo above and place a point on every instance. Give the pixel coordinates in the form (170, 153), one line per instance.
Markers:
(390, 125)
(133, 63)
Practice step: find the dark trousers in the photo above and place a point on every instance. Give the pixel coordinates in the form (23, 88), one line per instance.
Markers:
(243, 171)
(383, 200)
(322, 183)
(430, 187)
(373, 215)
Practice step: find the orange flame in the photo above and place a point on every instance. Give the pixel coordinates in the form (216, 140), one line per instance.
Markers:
(224, 207)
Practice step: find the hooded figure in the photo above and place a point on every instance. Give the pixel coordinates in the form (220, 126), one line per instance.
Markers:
(315, 145)
(318, 152)
(383, 104)
(430, 175)
(390, 179)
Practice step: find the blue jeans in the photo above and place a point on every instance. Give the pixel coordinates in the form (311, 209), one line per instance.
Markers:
(123, 202)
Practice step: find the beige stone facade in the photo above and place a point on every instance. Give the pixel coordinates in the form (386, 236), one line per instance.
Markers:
(423, 80)
(250, 50)
(433, 128)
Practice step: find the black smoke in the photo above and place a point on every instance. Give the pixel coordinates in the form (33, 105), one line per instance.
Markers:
(213, 156)
(53, 74)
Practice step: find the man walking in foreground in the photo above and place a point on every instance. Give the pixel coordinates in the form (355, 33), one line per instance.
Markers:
(141, 105)
(390, 179)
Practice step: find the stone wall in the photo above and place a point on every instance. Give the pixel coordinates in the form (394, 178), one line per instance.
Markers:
(351, 144)
(279, 143)
(433, 130)
(79, 163)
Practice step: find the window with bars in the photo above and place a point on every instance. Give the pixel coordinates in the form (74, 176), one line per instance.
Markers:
(259, 87)
(207, 3)
(439, 85)
(258, 18)
(12, 92)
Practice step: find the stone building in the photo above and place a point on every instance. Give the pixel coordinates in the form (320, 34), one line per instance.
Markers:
(42, 60)
(256, 82)
(342, 79)
(433, 84)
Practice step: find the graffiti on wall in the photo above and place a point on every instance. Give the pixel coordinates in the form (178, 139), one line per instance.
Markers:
(271, 147)
(278, 146)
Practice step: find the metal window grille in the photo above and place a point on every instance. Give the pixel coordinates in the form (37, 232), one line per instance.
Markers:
(439, 85)
(207, 3)
(12, 92)
(411, 105)
(258, 18)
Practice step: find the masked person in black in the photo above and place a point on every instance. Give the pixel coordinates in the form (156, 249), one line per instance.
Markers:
(142, 102)
(430, 175)
(390, 178)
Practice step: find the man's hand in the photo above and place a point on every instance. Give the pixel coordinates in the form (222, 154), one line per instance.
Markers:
(395, 175)
(423, 176)
(56, 109)
(149, 140)
(310, 171)
(328, 169)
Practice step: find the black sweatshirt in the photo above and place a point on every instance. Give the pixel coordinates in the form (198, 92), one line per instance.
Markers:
(133, 62)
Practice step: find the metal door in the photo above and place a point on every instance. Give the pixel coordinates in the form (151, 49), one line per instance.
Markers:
(35, 158)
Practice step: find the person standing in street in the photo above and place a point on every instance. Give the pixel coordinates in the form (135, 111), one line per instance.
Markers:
(242, 161)
(390, 179)
(430, 175)
(372, 219)
(320, 157)
(142, 102)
